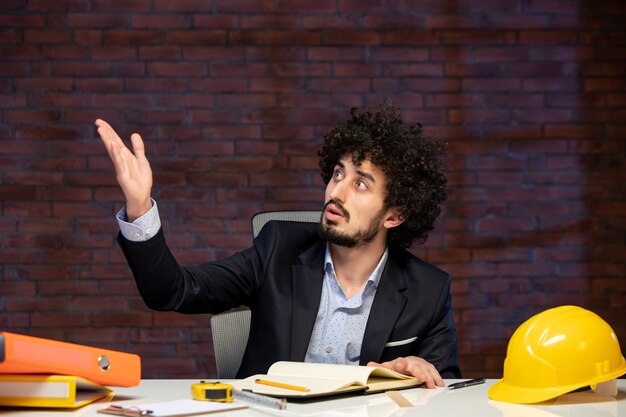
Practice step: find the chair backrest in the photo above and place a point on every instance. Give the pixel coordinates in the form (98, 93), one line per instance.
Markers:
(230, 330)
(230, 335)
(259, 219)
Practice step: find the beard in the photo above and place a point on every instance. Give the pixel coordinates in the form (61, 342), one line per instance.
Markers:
(327, 230)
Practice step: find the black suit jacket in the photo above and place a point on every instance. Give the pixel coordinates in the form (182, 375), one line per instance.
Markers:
(280, 278)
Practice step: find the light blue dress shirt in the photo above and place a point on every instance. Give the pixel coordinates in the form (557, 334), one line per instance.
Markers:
(340, 323)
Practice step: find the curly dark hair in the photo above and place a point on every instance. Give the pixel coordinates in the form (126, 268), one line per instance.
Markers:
(414, 165)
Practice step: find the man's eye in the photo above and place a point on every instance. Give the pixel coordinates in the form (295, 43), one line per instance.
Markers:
(338, 175)
(361, 185)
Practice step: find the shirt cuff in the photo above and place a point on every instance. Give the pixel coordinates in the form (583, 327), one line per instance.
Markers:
(143, 228)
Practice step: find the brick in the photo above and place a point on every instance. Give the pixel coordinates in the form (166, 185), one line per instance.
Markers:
(23, 20)
(365, 38)
(88, 36)
(414, 70)
(113, 100)
(15, 53)
(277, 22)
(563, 53)
(328, 22)
(410, 37)
(253, 100)
(308, 70)
(245, 6)
(561, 37)
(59, 320)
(404, 54)
(388, 86)
(197, 37)
(171, 69)
(492, 116)
(478, 37)
(161, 22)
(209, 53)
(134, 37)
(46, 36)
(126, 6)
(492, 84)
(47, 84)
(97, 20)
(425, 85)
(502, 54)
(285, 54)
(368, 6)
(283, 38)
(356, 85)
(84, 69)
(243, 70)
(334, 54)
(572, 131)
(604, 85)
(476, 70)
(273, 85)
(160, 52)
(297, 195)
(231, 132)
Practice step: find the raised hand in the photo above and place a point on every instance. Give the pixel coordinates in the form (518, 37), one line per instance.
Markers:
(132, 169)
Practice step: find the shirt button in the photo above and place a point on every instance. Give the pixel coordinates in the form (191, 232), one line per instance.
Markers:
(136, 236)
(148, 231)
(329, 349)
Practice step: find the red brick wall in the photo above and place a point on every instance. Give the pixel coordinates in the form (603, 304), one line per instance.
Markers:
(233, 97)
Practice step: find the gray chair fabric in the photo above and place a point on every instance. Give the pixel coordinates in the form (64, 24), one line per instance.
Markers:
(230, 330)
(259, 219)
(230, 335)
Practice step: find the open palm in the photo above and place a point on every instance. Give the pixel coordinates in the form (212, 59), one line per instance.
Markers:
(132, 169)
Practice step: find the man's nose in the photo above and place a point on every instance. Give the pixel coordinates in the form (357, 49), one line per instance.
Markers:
(338, 191)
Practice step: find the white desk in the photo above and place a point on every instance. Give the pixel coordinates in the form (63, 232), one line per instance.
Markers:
(470, 401)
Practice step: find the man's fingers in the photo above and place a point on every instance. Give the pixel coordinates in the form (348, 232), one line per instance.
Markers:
(138, 146)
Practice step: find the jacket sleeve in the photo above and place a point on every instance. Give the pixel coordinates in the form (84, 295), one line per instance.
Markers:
(212, 287)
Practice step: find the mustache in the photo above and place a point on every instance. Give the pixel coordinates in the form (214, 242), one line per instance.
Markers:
(339, 206)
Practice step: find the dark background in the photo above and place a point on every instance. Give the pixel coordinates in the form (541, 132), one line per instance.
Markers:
(233, 98)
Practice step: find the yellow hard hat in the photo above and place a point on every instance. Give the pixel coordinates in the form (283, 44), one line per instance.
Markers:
(558, 351)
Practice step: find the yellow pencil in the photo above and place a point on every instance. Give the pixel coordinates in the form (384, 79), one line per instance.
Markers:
(281, 385)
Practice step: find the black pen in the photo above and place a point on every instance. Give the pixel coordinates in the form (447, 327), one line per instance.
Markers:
(467, 383)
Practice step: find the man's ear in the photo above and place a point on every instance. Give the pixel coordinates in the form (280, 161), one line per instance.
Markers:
(394, 217)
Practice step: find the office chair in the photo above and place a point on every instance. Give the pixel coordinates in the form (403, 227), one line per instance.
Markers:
(230, 336)
(259, 219)
(230, 330)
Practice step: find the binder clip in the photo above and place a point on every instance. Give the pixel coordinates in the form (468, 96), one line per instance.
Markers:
(125, 411)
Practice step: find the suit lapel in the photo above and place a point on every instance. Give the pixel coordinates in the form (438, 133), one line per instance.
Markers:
(307, 290)
(388, 304)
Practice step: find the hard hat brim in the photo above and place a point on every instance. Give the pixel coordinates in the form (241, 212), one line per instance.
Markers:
(501, 391)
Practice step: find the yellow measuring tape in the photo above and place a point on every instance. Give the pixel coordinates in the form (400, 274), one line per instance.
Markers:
(212, 391)
(224, 393)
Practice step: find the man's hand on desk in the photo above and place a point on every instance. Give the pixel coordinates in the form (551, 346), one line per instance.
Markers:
(417, 367)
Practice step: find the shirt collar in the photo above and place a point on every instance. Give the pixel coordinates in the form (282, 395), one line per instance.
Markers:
(374, 277)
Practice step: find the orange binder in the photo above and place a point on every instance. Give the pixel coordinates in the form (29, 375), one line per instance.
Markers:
(20, 354)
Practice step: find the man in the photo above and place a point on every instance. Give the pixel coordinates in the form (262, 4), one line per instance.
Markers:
(343, 291)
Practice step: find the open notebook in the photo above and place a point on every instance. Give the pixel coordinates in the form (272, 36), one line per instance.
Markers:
(317, 379)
